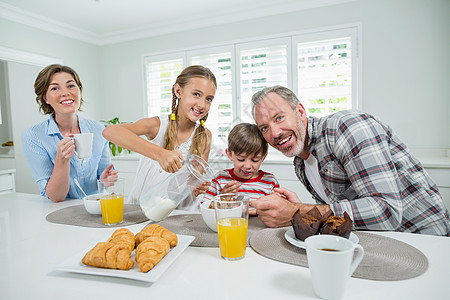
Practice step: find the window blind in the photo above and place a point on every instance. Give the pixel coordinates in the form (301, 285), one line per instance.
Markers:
(317, 66)
(161, 76)
(324, 76)
(259, 68)
(221, 116)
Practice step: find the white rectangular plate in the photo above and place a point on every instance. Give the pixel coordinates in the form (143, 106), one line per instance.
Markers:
(75, 265)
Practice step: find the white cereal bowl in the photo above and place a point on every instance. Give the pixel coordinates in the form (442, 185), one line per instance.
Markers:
(209, 215)
(92, 204)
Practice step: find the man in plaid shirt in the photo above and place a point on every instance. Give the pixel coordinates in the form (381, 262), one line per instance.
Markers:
(349, 161)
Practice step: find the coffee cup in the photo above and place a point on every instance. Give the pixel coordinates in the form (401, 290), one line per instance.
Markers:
(83, 144)
(331, 263)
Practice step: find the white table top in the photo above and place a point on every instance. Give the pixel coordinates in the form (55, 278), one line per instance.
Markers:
(30, 248)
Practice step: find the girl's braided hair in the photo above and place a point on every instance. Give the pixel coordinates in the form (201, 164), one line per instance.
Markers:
(200, 138)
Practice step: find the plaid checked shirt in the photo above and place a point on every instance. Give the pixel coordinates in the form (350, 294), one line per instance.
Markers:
(368, 172)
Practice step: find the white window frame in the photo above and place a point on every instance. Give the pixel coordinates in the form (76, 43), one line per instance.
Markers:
(157, 57)
(218, 148)
(290, 39)
(354, 33)
(259, 44)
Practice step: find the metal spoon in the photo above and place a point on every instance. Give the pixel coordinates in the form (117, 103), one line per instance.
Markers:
(79, 186)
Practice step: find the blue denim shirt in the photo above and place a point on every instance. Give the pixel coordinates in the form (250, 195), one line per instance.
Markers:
(40, 146)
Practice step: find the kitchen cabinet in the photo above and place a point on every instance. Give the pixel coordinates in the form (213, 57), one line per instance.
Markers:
(7, 181)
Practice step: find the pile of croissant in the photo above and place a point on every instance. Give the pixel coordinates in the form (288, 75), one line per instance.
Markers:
(152, 243)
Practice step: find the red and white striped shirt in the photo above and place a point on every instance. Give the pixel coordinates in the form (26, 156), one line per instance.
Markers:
(254, 188)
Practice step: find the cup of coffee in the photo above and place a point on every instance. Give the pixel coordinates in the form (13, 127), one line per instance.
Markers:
(331, 263)
(83, 144)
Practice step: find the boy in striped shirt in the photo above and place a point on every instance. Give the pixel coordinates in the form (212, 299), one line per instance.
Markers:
(247, 149)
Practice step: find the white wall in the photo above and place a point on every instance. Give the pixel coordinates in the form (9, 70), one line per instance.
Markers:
(406, 65)
(21, 75)
(405, 72)
(5, 127)
(81, 56)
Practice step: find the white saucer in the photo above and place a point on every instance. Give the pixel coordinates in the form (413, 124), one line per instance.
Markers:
(291, 238)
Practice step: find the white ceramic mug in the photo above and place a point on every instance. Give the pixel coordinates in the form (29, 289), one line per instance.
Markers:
(331, 263)
(83, 144)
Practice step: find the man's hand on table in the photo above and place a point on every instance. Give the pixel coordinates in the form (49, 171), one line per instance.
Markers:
(277, 209)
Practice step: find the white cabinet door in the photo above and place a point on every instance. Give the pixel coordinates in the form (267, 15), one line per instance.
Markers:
(7, 182)
(127, 170)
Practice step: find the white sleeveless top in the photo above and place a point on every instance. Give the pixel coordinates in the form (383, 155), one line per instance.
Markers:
(149, 173)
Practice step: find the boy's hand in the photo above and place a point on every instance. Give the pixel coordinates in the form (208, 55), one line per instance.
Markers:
(201, 188)
(231, 187)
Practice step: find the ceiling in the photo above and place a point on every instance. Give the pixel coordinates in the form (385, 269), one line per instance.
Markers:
(111, 21)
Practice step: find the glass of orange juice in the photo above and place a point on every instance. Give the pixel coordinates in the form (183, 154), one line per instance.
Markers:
(232, 224)
(111, 200)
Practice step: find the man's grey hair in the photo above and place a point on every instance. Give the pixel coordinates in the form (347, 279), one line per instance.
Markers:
(282, 91)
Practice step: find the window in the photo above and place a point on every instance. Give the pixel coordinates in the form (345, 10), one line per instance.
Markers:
(319, 67)
(161, 76)
(221, 114)
(324, 71)
(261, 64)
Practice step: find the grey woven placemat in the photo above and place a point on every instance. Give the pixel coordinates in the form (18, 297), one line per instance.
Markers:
(78, 216)
(193, 224)
(385, 259)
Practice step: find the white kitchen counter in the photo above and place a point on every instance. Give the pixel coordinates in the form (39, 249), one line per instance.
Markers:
(30, 248)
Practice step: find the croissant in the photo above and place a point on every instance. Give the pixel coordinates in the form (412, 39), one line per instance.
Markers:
(110, 256)
(115, 253)
(150, 251)
(157, 230)
(123, 237)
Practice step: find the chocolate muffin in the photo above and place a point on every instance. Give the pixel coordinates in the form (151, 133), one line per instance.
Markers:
(313, 222)
(336, 225)
(307, 224)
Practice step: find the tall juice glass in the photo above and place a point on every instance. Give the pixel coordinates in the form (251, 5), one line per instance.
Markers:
(111, 201)
(232, 224)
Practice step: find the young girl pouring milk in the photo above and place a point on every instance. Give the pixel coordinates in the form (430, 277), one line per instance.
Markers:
(171, 137)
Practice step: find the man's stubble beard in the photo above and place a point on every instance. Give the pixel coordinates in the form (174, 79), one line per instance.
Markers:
(300, 134)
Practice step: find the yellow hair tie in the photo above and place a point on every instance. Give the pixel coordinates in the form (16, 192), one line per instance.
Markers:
(202, 122)
(172, 116)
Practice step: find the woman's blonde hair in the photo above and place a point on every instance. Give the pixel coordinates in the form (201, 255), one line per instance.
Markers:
(43, 81)
(200, 138)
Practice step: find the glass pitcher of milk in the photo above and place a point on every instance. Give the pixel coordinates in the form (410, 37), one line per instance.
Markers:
(161, 199)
